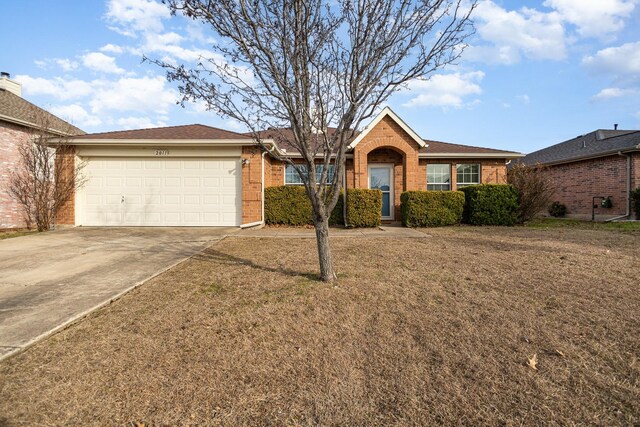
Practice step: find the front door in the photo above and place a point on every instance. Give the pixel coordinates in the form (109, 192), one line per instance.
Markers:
(381, 178)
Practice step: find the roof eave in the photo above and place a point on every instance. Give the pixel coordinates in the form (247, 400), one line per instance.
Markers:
(500, 155)
(32, 125)
(163, 142)
(592, 156)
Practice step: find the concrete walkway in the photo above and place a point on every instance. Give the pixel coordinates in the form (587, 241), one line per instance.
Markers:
(387, 231)
(50, 280)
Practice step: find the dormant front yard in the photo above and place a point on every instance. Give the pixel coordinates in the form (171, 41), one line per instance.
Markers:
(416, 332)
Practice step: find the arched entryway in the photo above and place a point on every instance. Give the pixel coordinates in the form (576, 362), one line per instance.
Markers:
(385, 171)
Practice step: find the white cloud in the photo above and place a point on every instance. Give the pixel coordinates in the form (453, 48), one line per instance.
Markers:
(76, 115)
(621, 64)
(130, 17)
(514, 34)
(57, 87)
(621, 60)
(145, 94)
(139, 123)
(599, 18)
(446, 90)
(66, 64)
(613, 92)
(524, 99)
(111, 48)
(100, 62)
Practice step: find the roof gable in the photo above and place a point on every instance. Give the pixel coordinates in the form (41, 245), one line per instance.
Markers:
(384, 113)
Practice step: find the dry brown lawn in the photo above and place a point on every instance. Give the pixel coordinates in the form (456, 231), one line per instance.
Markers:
(417, 332)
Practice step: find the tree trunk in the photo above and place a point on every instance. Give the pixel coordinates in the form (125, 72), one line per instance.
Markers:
(327, 274)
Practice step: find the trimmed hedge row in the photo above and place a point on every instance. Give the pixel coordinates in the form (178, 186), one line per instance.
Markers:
(431, 208)
(490, 204)
(364, 207)
(289, 205)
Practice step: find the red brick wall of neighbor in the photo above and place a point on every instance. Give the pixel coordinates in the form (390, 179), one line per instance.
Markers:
(11, 135)
(578, 182)
(252, 185)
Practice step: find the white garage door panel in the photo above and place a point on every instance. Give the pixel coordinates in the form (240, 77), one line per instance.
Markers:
(167, 192)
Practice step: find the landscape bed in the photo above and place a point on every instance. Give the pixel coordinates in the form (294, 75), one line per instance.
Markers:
(416, 332)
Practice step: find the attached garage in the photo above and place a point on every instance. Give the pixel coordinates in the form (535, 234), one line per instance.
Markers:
(161, 192)
(194, 175)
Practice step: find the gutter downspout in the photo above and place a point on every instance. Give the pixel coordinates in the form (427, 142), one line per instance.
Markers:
(628, 210)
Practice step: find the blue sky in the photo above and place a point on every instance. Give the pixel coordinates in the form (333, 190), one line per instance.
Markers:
(536, 72)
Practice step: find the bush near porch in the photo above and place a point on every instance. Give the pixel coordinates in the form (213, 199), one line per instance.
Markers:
(431, 208)
(490, 204)
(364, 207)
(289, 205)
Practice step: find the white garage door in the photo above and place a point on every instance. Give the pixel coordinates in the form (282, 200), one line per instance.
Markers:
(161, 192)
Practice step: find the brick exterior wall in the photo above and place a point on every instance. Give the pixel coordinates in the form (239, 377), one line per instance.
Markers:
(67, 214)
(11, 136)
(252, 185)
(388, 143)
(578, 182)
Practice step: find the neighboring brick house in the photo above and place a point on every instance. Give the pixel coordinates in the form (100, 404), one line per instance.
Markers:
(197, 175)
(18, 119)
(602, 163)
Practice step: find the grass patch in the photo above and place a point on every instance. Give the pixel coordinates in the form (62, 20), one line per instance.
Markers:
(12, 234)
(549, 223)
(427, 331)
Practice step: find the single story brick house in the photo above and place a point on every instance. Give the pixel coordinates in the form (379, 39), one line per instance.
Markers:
(19, 119)
(197, 175)
(602, 163)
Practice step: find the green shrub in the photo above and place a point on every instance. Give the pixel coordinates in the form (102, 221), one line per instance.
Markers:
(635, 197)
(364, 207)
(490, 204)
(557, 210)
(289, 205)
(431, 208)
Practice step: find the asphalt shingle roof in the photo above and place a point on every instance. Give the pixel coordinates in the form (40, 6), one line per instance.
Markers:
(594, 144)
(17, 108)
(439, 147)
(195, 131)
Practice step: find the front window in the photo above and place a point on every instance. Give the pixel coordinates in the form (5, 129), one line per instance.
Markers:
(439, 177)
(291, 176)
(468, 175)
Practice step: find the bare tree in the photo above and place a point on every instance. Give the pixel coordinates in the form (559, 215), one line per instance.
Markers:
(46, 175)
(303, 65)
(535, 189)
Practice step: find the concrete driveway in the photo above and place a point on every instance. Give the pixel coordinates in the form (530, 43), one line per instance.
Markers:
(49, 280)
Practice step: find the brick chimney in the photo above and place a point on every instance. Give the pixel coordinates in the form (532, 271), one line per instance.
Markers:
(11, 85)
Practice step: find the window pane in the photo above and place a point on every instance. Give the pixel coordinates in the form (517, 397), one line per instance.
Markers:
(468, 174)
(291, 177)
(438, 177)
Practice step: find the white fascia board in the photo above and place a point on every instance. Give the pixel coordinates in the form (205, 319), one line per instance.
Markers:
(470, 155)
(388, 112)
(162, 142)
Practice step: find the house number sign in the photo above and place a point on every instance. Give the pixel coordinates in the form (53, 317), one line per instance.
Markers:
(161, 152)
